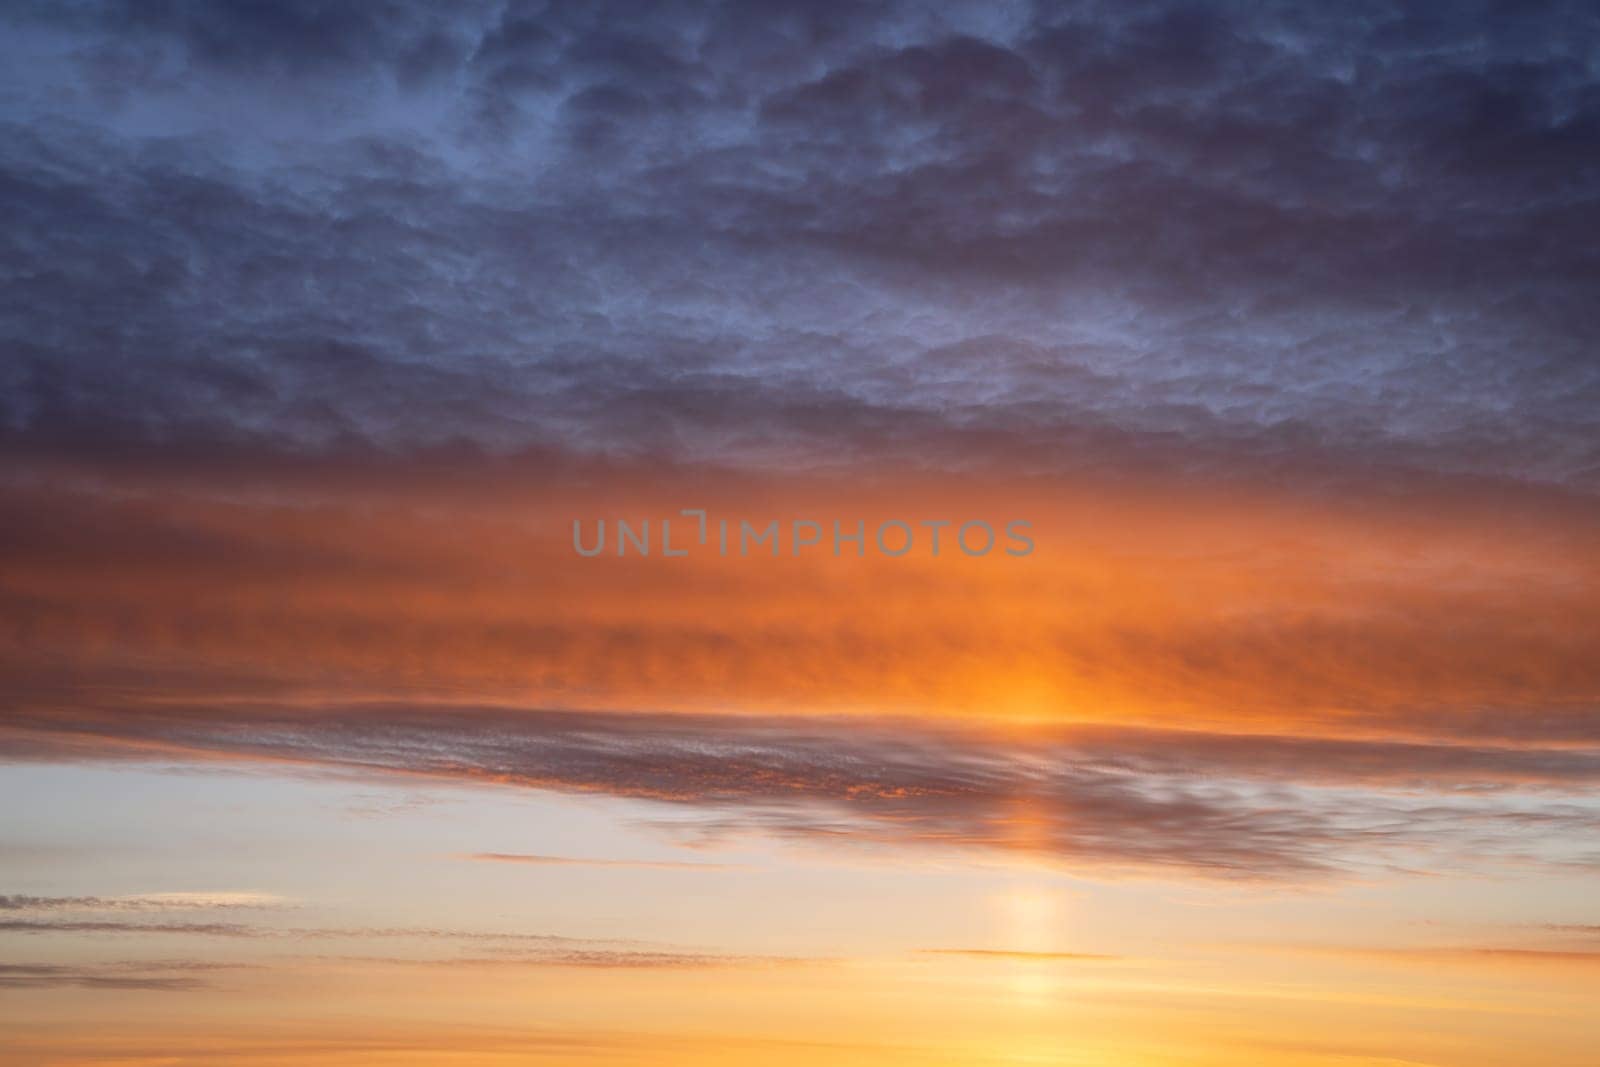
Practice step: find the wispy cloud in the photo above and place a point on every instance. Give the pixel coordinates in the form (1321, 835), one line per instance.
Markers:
(1580, 929)
(160, 976)
(147, 902)
(1027, 283)
(112, 926)
(598, 958)
(511, 939)
(535, 860)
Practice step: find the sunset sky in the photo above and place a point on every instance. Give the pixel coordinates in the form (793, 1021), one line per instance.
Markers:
(322, 324)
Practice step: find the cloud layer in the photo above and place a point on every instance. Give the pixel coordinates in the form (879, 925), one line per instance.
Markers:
(1050, 235)
(1095, 800)
(320, 322)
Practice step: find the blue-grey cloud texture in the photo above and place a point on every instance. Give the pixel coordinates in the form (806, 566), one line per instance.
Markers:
(1101, 798)
(1344, 238)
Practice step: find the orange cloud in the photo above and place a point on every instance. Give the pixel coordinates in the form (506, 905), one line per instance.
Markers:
(1157, 604)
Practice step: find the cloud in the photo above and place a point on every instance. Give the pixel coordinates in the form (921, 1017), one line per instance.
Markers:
(1019, 956)
(510, 948)
(113, 926)
(1279, 313)
(508, 939)
(1430, 616)
(180, 901)
(599, 959)
(1493, 956)
(182, 976)
(1583, 929)
(1105, 801)
(1094, 234)
(573, 861)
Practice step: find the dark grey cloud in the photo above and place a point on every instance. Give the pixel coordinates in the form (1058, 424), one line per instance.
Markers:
(1101, 800)
(1052, 234)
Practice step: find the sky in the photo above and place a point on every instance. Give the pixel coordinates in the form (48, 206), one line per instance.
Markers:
(332, 334)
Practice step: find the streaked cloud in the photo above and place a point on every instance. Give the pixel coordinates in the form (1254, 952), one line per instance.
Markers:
(320, 323)
(1107, 801)
(599, 959)
(166, 976)
(1084, 235)
(1489, 956)
(1413, 618)
(1018, 955)
(576, 861)
(174, 901)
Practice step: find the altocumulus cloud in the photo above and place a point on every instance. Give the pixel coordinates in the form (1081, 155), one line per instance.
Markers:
(786, 232)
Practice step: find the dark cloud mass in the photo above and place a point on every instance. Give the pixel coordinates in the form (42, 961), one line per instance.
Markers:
(797, 233)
